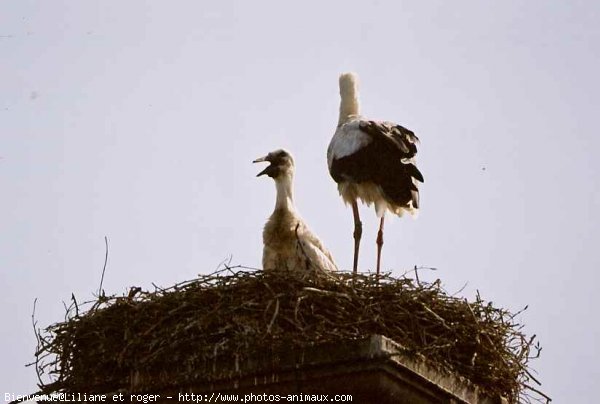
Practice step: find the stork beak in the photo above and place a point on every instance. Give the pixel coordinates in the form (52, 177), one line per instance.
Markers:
(260, 159)
(266, 170)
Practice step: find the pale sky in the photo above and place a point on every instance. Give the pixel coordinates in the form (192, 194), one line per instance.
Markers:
(138, 120)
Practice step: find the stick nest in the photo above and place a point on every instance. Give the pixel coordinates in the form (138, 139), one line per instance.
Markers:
(173, 337)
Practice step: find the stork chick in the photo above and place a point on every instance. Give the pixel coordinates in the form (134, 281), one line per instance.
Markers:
(288, 242)
(372, 161)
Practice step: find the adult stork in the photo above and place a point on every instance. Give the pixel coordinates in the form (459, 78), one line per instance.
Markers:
(288, 242)
(372, 161)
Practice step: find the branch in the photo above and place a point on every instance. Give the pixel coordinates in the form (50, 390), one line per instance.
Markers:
(104, 268)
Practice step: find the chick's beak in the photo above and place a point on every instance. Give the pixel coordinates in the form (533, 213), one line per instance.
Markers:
(260, 159)
(266, 170)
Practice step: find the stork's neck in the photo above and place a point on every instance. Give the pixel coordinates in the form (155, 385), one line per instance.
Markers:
(285, 192)
(349, 105)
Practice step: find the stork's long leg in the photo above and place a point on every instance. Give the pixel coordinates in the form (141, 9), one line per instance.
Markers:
(379, 245)
(357, 235)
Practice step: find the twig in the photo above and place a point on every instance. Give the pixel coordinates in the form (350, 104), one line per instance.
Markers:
(548, 399)
(75, 304)
(38, 344)
(104, 267)
(437, 316)
(460, 290)
(274, 316)
(326, 292)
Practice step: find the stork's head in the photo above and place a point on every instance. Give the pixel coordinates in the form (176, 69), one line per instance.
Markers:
(349, 106)
(282, 164)
(349, 85)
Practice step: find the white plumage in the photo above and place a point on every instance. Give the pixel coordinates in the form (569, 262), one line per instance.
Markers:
(288, 242)
(372, 161)
(347, 140)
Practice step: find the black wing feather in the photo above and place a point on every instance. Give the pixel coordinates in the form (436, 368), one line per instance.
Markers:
(382, 162)
(403, 139)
